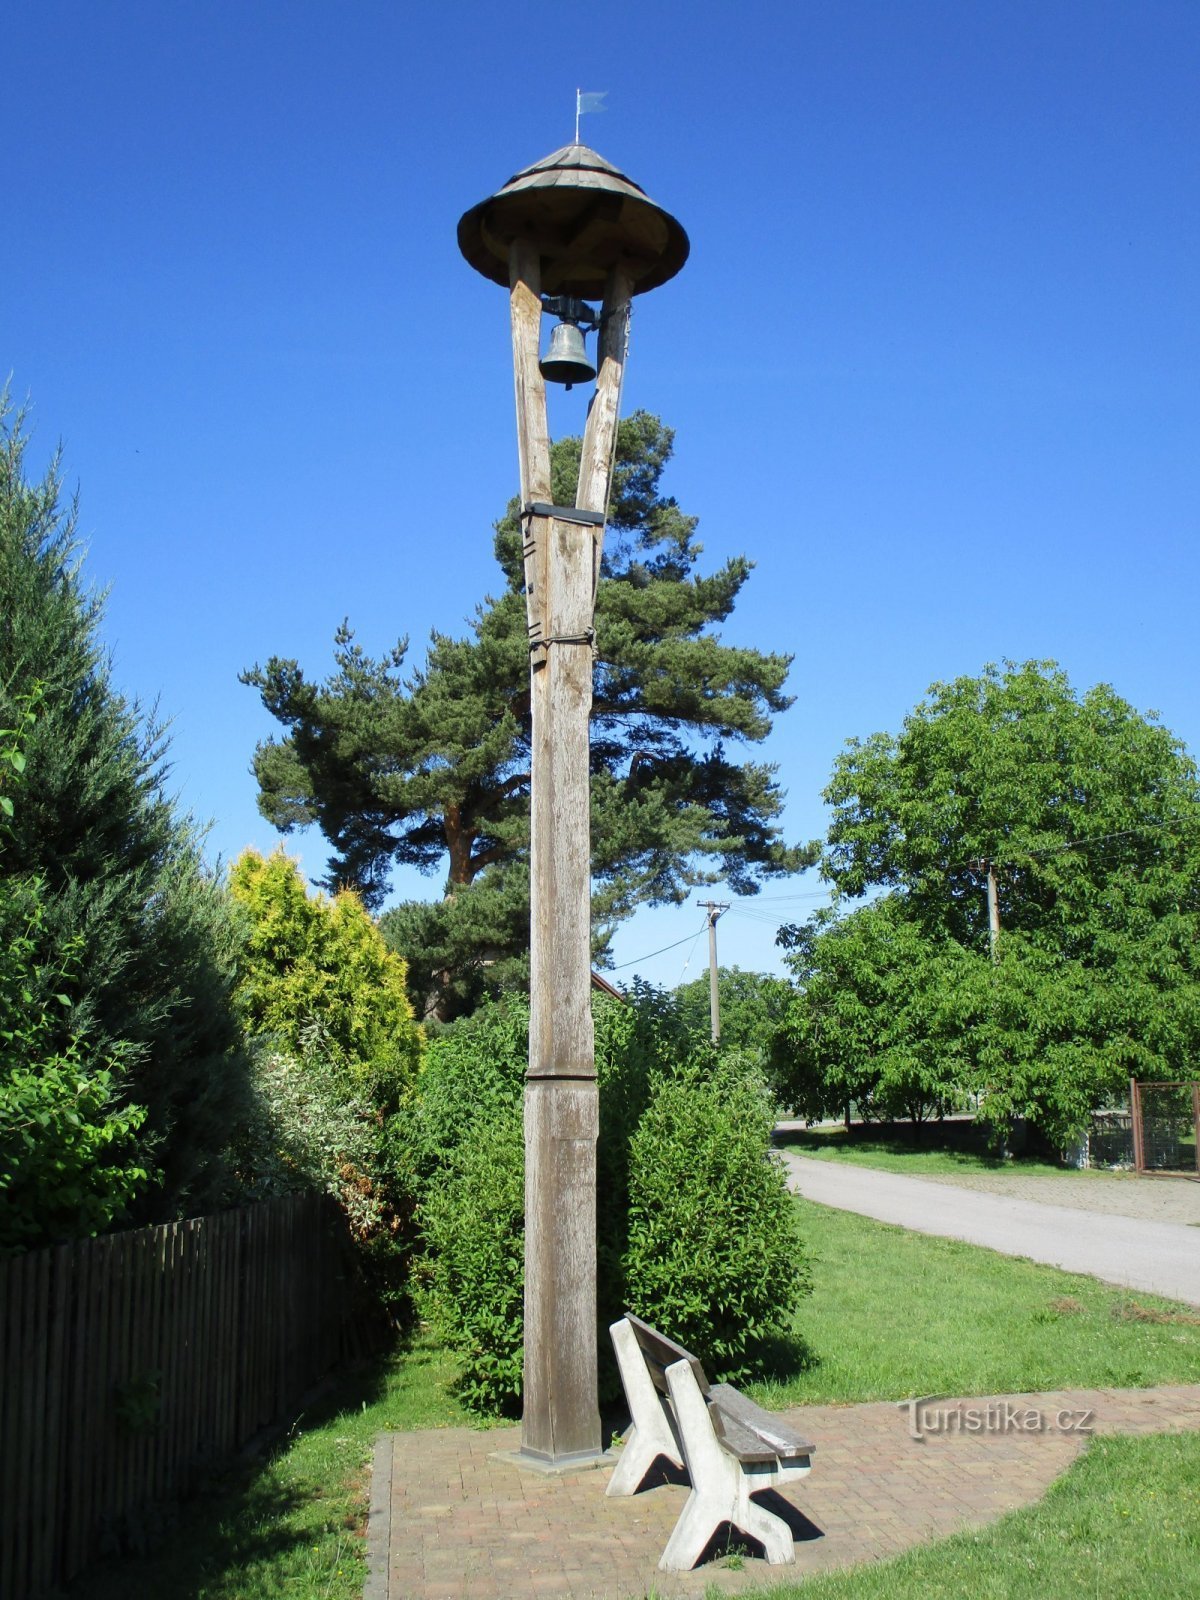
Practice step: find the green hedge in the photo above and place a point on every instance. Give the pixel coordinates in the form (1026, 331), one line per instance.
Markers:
(695, 1230)
(713, 1254)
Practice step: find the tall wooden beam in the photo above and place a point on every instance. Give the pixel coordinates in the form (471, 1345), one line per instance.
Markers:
(562, 223)
(561, 1418)
(600, 432)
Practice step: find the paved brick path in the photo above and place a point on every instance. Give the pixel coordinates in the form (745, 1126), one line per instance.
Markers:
(449, 1522)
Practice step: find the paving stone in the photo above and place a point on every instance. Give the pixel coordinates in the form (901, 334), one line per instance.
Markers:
(449, 1521)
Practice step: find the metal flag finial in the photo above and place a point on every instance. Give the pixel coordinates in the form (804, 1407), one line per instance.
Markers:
(591, 101)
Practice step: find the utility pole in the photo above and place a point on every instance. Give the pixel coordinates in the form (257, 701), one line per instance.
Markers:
(993, 905)
(714, 999)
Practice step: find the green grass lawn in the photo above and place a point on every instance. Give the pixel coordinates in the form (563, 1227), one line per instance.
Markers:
(892, 1314)
(1122, 1524)
(944, 1149)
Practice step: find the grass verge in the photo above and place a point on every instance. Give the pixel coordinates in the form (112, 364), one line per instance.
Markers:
(291, 1524)
(946, 1149)
(1124, 1521)
(894, 1314)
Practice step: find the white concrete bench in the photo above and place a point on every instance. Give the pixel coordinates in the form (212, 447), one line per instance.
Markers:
(729, 1448)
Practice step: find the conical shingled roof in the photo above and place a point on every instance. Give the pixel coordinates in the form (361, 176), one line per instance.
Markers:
(575, 155)
(584, 215)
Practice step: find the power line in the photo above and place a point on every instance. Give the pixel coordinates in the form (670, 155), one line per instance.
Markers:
(1057, 849)
(774, 899)
(772, 921)
(623, 964)
(687, 960)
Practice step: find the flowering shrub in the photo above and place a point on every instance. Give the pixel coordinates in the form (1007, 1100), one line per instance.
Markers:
(307, 1129)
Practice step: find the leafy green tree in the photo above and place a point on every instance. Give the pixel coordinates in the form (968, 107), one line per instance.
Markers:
(752, 1006)
(122, 882)
(1070, 799)
(877, 1021)
(432, 769)
(68, 1167)
(1087, 816)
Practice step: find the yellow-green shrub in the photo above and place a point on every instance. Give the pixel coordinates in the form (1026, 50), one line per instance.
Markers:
(314, 960)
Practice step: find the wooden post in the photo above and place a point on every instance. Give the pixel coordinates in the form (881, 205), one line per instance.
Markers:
(561, 1419)
(1135, 1117)
(562, 221)
(599, 435)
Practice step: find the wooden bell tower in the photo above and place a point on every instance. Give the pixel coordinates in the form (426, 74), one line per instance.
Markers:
(573, 226)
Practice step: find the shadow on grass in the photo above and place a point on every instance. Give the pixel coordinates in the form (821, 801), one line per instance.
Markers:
(780, 1357)
(240, 1514)
(958, 1140)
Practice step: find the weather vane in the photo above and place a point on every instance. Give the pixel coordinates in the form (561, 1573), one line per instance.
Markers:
(593, 101)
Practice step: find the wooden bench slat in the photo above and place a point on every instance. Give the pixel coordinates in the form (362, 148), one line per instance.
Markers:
(661, 1353)
(740, 1441)
(733, 1409)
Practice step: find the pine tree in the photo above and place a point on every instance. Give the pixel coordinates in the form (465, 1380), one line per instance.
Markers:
(432, 769)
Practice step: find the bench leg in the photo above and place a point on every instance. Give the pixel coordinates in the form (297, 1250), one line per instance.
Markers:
(652, 1434)
(703, 1515)
(721, 1490)
(772, 1532)
(698, 1521)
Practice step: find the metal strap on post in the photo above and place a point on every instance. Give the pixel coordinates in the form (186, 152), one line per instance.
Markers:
(585, 519)
(588, 638)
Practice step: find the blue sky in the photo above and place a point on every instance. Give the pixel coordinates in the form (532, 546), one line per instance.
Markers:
(932, 364)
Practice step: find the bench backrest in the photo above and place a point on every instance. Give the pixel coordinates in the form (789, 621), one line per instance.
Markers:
(661, 1352)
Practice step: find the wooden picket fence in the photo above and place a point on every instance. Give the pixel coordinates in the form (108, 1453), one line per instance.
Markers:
(128, 1363)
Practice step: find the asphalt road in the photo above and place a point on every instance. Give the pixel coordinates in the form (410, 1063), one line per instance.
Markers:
(1155, 1257)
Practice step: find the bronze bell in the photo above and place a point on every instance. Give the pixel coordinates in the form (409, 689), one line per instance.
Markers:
(566, 361)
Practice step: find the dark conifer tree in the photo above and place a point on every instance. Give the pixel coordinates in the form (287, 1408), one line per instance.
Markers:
(121, 875)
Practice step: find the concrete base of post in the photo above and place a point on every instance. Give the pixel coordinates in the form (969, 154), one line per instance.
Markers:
(559, 1468)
